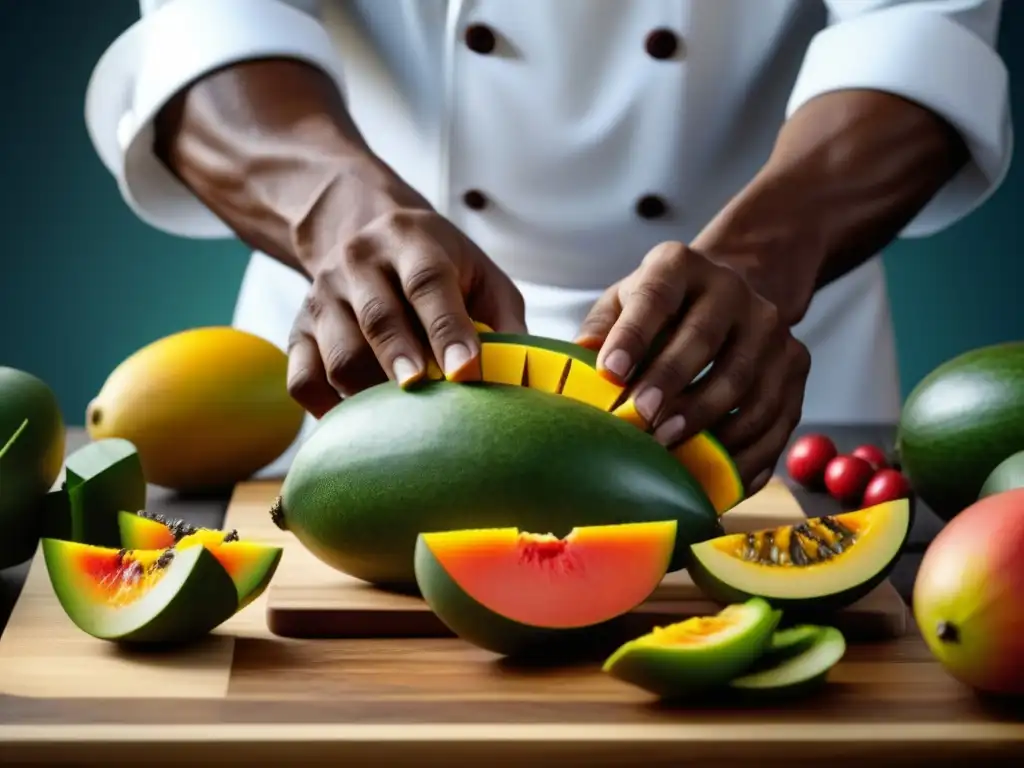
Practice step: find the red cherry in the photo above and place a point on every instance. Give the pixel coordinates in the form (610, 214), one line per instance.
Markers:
(886, 485)
(846, 477)
(873, 455)
(807, 459)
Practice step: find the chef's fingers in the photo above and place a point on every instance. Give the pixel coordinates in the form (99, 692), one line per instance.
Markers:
(737, 368)
(496, 301)
(695, 343)
(757, 462)
(760, 409)
(651, 301)
(600, 319)
(347, 357)
(430, 282)
(380, 312)
(307, 379)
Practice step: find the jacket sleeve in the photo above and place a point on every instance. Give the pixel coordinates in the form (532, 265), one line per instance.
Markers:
(174, 43)
(940, 54)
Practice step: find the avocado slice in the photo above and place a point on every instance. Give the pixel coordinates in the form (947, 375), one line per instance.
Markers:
(795, 674)
(685, 659)
(140, 596)
(250, 565)
(103, 478)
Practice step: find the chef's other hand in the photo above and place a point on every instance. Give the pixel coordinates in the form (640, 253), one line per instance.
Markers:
(384, 303)
(702, 313)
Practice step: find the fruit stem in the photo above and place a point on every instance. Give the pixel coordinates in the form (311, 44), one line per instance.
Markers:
(947, 632)
(277, 514)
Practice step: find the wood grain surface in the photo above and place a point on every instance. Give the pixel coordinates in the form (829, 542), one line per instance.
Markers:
(310, 599)
(248, 696)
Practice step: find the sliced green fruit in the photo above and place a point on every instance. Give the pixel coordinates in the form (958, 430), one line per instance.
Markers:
(792, 640)
(387, 464)
(1007, 476)
(513, 592)
(250, 565)
(103, 478)
(686, 659)
(140, 596)
(823, 564)
(797, 673)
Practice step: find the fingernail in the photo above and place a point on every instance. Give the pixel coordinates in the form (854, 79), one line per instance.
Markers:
(671, 430)
(405, 370)
(648, 402)
(618, 363)
(455, 358)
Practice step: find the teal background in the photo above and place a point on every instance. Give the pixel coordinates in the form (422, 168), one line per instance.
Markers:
(84, 283)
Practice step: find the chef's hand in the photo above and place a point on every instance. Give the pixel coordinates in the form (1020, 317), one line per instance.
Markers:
(385, 302)
(709, 315)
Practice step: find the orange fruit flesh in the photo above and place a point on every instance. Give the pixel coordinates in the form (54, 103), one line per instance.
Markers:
(590, 576)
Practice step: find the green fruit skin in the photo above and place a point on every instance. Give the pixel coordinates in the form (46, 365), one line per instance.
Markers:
(680, 674)
(104, 478)
(31, 464)
(388, 464)
(1007, 476)
(959, 422)
(744, 690)
(204, 600)
(484, 628)
(807, 607)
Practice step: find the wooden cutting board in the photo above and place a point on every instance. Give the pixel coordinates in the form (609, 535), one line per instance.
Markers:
(310, 599)
(248, 696)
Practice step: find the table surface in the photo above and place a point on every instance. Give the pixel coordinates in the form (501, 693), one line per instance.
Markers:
(379, 702)
(209, 511)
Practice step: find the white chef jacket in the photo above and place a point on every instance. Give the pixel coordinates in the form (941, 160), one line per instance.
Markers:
(561, 116)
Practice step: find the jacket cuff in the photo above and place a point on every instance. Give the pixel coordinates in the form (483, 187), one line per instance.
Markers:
(931, 60)
(164, 52)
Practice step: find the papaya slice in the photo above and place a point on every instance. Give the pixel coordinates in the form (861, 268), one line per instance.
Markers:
(507, 590)
(822, 564)
(712, 467)
(627, 412)
(546, 369)
(704, 652)
(585, 384)
(567, 348)
(250, 565)
(102, 478)
(140, 596)
(503, 363)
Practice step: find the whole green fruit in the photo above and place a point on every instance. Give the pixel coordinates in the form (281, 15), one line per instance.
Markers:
(31, 461)
(959, 422)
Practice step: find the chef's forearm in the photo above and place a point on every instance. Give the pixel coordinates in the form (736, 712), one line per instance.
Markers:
(849, 170)
(267, 144)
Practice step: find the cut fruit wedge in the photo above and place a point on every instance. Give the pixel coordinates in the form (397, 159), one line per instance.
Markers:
(506, 590)
(140, 596)
(799, 672)
(682, 660)
(823, 564)
(250, 565)
(103, 478)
